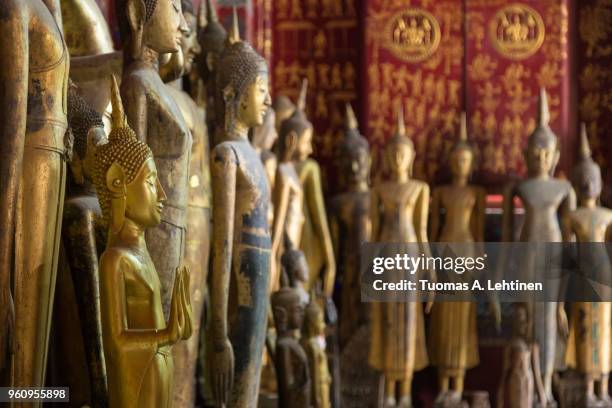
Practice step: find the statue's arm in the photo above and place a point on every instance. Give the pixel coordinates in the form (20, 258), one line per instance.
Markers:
(86, 68)
(281, 202)
(316, 205)
(502, 381)
(535, 363)
(434, 227)
(479, 215)
(374, 215)
(334, 229)
(14, 101)
(420, 218)
(508, 214)
(223, 170)
(135, 102)
(567, 206)
(113, 267)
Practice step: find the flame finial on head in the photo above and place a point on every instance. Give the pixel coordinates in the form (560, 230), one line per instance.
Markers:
(463, 133)
(118, 114)
(351, 120)
(234, 34)
(585, 148)
(543, 111)
(211, 12)
(401, 126)
(301, 103)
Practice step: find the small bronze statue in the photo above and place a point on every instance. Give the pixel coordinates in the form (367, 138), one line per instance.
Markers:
(521, 381)
(241, 234)
(398, 339)
(546, 200)
(350, 223)
(588, 348)
(313, 341)
(137, 341)
(34, 78)
(290, 359)
(295, 266)
(83, 240)
(150, 28)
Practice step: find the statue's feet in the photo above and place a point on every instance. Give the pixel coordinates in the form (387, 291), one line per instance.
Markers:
(405, 402)
(389, 402)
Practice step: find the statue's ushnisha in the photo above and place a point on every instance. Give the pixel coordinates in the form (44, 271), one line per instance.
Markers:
(241, 235)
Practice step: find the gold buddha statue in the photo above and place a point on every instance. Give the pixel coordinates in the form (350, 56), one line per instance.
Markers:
(316, 238)
(546, 200)
(288, 197)
(198, 227)
(241, 235)
(137, 340)
(350, 222)
(588, 348)
(34, 78)
(313, 341)
(397, 346)
(453, 337)
(83, 240)
(150, 28)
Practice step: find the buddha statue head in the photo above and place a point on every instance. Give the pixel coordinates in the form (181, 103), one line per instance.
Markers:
(542, 153)
(521, 322)
(155, 24)
(284, 108)
(353, 153)
(586, 174)
(181, 62)
(212, 38)
(125, 175)
(264, 136)
(295, 266)
(287, 309)
(462, 154)
(314, 319)
(88, 133)
(297, 128)
(242, 87)
(399, 151)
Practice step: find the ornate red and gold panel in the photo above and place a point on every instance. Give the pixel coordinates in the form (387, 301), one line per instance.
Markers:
(414, 57)
(319, 40)
(594, 59)
(513, 49)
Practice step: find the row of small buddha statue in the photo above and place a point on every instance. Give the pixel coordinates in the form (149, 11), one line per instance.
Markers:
(132, 236)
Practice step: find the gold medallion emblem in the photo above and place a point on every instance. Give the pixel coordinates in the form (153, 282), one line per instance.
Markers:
(517, 31)
(412, 35)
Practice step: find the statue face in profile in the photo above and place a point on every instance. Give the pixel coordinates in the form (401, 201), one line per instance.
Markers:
(145, 197)
(461, 161)
(255, 101)
(163, 32)
(189, 45)
(304, 147)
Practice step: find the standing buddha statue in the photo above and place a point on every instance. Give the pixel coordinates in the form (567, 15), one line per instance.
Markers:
(313, 341)
(588, 348)
(546, 200)
(241, 235)
(453, 337)
(34, 81)
(397, 346)
(137, 340)
(350, 223)
(149, 28)
(198, 228)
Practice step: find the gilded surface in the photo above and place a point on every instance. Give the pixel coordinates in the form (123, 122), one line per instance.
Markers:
(517, 31)
(412, 35)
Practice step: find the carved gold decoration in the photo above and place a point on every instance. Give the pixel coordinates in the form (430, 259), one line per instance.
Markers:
(412, 35)
(517, 31)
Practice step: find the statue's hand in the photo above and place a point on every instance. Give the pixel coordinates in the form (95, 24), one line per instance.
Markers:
(222, 366)
(176, 319)
(562, 320)
(186, 303)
